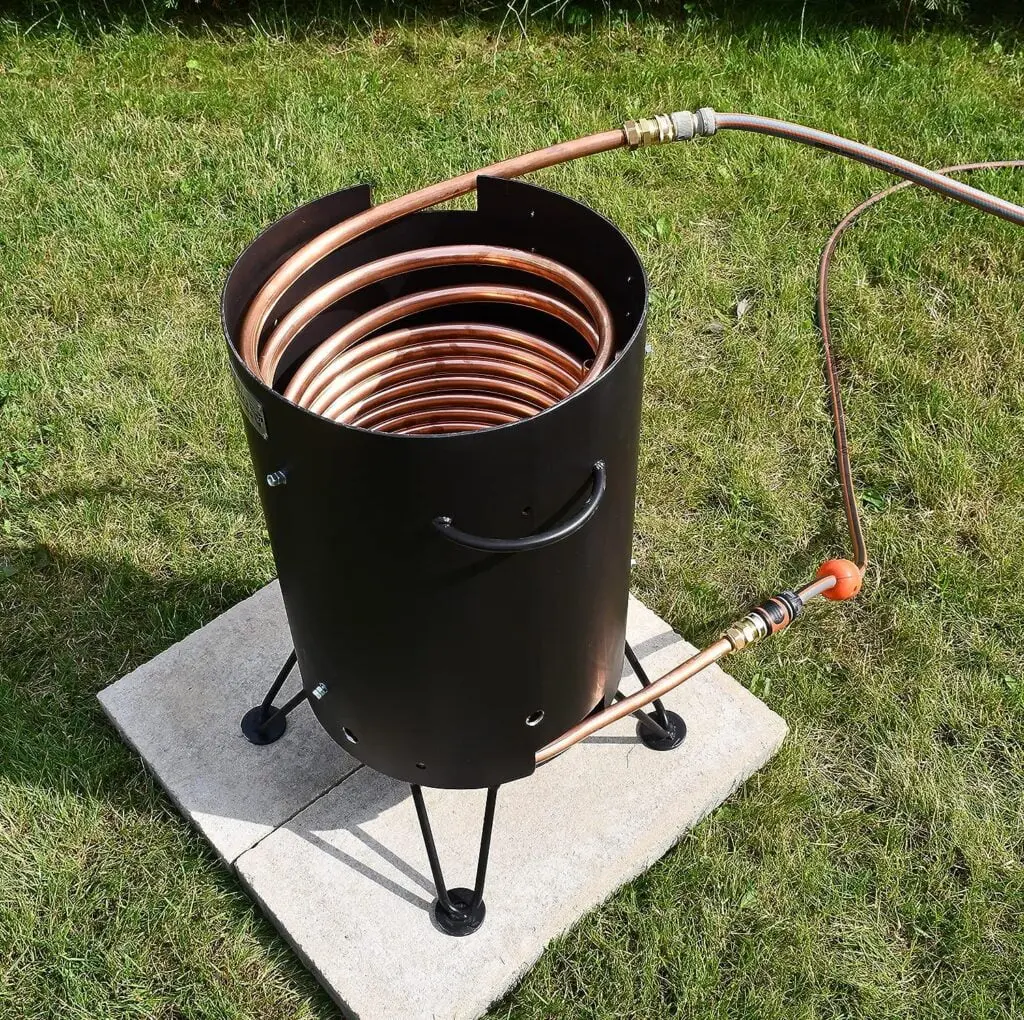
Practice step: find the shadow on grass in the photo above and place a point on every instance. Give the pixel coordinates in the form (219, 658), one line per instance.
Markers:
(69, 627)
(808, 19)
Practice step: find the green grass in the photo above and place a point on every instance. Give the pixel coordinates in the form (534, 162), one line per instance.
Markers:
(876, 868)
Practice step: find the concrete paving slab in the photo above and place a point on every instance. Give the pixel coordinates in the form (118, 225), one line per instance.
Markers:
(347, 883)
(181, 710)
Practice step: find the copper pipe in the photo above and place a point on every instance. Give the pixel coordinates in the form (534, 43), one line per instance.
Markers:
(460, 402)
(318, 368)
(913, 174)
(461, 331)
(477, 391)
(460, 385)
(444, 415)
(557, 380)
(627, 706)
(485, 375)
(845, 470)
(359, 383)
(260, 311)
(350, 373)
(427, 258)
(471, 376)
(671, 680)
(422, 380)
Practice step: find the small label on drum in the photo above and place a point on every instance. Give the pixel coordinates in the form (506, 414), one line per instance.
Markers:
(251, 407)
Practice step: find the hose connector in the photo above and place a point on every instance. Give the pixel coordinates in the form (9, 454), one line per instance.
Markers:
(649, 131)
(746, 631)
(774, 614)
(670, 127)
(689, 125)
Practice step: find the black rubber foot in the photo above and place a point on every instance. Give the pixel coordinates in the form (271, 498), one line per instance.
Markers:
(461, 921)
(676, 729)
(258, 733)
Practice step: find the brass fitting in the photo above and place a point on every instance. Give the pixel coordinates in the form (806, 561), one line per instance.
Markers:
(649, 131)
(746, 631)
(669, 127)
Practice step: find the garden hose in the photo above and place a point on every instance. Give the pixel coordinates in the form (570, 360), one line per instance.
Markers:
(843, 468)
(459, 377)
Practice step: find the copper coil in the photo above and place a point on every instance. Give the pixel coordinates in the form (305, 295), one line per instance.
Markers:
(382, 417)
(458, 376)
(484, 388)
(305, 258)
(320, 366)
(465, 331)
(542, 373)
(440, 376)
(436, 379)
(472, 417)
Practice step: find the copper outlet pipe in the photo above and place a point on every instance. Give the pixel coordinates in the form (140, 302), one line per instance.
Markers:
(727, 643)
(630, 704)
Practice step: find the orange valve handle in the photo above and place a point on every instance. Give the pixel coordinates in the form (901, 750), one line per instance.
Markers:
(848, 579)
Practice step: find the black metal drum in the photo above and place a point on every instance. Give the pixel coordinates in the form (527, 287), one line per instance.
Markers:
(456, 601)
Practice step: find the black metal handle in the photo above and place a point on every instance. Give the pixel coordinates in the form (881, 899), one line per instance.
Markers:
(445, 526)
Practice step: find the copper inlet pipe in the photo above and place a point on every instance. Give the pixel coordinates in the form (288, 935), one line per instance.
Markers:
(323, 376)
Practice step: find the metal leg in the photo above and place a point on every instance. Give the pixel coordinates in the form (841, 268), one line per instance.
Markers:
(457, 911)
(662, 730)
(264, 724)
(647, 722)
(645, 681)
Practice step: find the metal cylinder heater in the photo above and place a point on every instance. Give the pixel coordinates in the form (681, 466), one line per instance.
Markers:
(443, 411)
(457, 595)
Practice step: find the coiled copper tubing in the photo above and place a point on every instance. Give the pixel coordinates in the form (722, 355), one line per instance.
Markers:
(433, 379)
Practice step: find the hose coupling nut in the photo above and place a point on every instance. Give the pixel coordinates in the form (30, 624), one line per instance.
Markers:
(746, 631)
(649, 131)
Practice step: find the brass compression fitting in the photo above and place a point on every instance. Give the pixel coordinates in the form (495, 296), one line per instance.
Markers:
(771, 616)
(670, 127)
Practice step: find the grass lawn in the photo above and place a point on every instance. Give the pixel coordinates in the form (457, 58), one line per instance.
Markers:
(876, 868)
